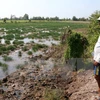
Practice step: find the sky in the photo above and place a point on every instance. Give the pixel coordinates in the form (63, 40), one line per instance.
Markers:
(49, 8)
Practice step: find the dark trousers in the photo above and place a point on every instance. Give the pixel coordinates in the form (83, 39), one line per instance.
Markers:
(97, 77)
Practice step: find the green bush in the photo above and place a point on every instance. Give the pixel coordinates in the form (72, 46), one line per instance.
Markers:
(3, 48)
(9, 37)
(76, 46)
(29, 53)
(7, 42)
(11, 47)
(94, 32)
(94, 27)
(18, 42)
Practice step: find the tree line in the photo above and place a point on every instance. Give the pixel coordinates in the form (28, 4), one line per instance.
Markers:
(26, 17)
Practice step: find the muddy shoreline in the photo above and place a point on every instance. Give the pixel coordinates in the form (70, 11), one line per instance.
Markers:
(40, 79)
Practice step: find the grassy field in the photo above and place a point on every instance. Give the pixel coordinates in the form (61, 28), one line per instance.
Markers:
(54, 25)
(40, 29)
(18, 30)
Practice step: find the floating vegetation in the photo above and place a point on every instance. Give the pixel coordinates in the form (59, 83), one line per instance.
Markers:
(19, 66)
(19, 53)
(36, 47)
(25, 48)
(7, 58)
(29, 53)
(4, 66)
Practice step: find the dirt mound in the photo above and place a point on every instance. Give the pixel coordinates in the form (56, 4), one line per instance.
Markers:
(84, 87)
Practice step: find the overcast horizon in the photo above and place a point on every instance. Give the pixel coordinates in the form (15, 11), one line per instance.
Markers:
(49, 8)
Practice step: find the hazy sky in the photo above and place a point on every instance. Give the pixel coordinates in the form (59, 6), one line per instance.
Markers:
(49, 8)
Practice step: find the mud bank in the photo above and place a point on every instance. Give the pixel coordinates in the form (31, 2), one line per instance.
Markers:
(42, 82)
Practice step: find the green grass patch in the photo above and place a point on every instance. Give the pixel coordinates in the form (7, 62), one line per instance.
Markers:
(11, 47)
(4, 66)
(36, 47)
(7, 41)
(18, 42)
(19, 66)
(38, 26)
(9, 37)
(25, 48)
(53, 94)
(29, 53)
(7, 58)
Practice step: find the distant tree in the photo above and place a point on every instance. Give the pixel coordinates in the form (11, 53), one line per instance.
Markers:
(4, 20)
(74, 18)
(82, 19)
(26, 17)
(56, 18)
(47, 18)
(20, 18)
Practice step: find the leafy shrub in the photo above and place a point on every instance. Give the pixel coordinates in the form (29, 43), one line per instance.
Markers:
(76, 46)
(29, 53)
(3, 48)
(7, 42)
(18, 42)
(11, 47)
(94, 27)
(9, 37)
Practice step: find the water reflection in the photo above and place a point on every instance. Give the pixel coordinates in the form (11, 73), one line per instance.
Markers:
(47, 42)
(16, 63)
(5, 70)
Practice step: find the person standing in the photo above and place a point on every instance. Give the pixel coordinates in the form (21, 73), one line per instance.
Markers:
(96, 61)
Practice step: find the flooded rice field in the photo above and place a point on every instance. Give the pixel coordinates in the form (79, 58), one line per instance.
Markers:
(24, 60)
(47, 42)
(18, 62)
(39, 36)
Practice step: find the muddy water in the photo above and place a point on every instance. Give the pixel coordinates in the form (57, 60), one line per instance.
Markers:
(25, 59)
(47, 42)
(12, 65)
